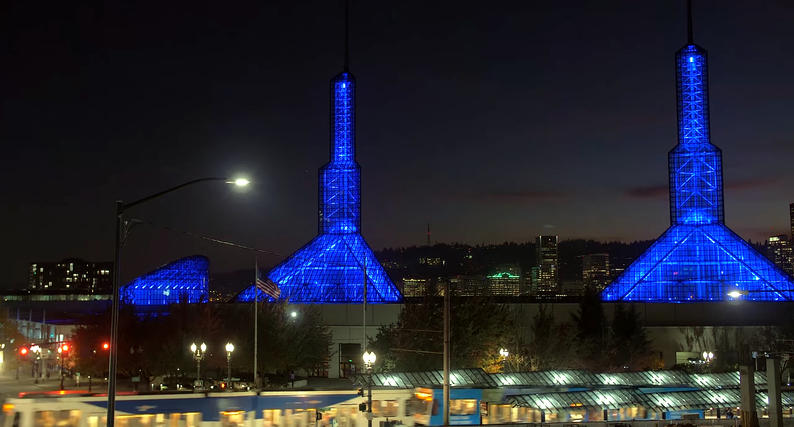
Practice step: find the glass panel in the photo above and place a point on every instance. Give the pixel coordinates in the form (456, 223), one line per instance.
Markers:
(65, 418)
(232, 419)
(385, 408)
(462, 406)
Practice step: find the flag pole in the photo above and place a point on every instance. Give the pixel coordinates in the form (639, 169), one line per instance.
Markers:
(256, 323)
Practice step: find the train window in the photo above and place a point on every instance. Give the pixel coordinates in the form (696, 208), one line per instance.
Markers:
(463, 406)
(66, 418)
(232, 418)
(147, 420)
(385, 408)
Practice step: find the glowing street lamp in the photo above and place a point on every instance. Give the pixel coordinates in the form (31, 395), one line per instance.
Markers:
(708, 356)
(229, 350)
(504, 353)
(737, 294)
(240, 182)
(198, 354)
(63, 349)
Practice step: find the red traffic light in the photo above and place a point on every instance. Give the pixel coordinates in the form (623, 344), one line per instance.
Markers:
(23, 351)
(65, 347)
(105, 346)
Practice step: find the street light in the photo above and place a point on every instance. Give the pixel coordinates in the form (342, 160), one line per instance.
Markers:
(62, 350)
(198, 354)
(708, 356)
(737, 294)
(504, 353)
(229, 350)
(122, 207)
(369, 360)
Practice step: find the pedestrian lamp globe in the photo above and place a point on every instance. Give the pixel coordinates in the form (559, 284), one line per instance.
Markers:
(193, 347)
(203, 347)
(504, 353)
(229, 347)
(369, 358)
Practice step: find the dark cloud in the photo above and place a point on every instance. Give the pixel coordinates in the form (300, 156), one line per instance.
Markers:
(649, 192)
(751, 183)
(662, 191)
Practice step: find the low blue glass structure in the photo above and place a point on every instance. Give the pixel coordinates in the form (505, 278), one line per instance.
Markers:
(698, 258)
(335, 265)
(184, 280)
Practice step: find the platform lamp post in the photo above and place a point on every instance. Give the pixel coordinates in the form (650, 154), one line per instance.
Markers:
(504, 354)
(369, 360)
(198, 354)
(229, 350)
(122, 207)
(62, 350)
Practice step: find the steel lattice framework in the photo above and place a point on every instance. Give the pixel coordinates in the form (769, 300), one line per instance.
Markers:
(333, 267)
(698, 258)
(184, 280)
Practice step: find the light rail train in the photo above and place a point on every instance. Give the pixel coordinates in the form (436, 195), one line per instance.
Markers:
(244, 409)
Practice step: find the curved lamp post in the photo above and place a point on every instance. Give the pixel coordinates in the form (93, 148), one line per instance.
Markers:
(229, 350)
(122, 207)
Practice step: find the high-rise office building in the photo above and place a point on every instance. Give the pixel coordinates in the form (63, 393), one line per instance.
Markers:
(547, 263)
(72, 275)
(698, 258)
(791, 218)
(505, 281)
(596, 271)
(779, 251)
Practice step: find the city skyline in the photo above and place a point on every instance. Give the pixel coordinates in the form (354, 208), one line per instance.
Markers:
(559, 144)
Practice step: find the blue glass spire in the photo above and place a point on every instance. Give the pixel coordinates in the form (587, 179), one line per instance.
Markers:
(340, 179)
(333, 267)
(695, 164)
(698, 258)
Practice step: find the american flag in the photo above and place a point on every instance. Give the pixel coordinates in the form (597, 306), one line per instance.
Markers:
(266, 285)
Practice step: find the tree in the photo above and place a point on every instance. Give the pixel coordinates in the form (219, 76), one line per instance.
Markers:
(629, 346)
(478, 328)
(591, 326)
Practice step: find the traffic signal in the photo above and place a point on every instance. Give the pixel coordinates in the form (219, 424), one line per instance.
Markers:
(362, 407)
(105, 346)
(65, 348)
(23, 351)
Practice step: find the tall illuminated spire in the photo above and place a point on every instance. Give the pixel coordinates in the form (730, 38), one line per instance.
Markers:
(337, 264)
(698, 258)
(695, 164)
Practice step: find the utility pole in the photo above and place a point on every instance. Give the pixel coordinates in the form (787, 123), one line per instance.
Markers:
(773, 386)
(446, 352)
(749, 415)
(256, 322)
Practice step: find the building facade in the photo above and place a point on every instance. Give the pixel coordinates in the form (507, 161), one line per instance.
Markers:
(779, 251)
(596, 271)
(505, 281)
(548, 264)
(71, 275)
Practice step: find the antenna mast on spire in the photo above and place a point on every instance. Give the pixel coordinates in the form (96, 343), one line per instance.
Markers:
(347, 36)
(690, 38)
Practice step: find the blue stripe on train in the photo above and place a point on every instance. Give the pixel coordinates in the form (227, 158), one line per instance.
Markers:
(210, 407)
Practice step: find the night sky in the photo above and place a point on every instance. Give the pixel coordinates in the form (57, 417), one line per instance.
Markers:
(492, 121)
